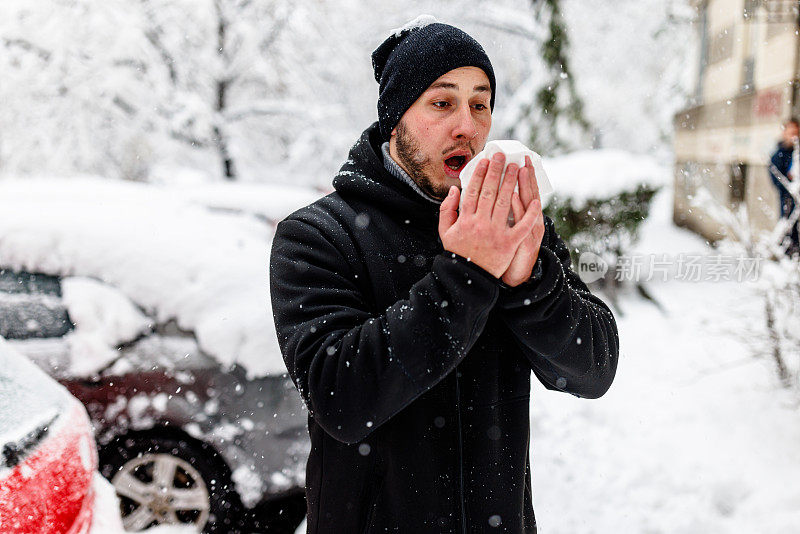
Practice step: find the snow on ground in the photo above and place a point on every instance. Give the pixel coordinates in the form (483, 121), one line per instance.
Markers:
(694, 436)
(162, 248)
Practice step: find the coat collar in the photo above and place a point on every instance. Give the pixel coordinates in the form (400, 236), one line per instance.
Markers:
(364, 177)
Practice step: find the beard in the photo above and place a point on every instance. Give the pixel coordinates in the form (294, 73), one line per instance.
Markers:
(416, 162)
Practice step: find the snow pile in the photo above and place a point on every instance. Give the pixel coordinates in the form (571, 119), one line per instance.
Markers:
(272, 202)
(604, 173)
(106, 515)
(104, 318)
(106, 518)
(171, 257)
(249, 484)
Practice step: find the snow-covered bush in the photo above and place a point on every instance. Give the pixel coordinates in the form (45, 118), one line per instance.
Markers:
(780, 283)
(601, 198)
(606, 226)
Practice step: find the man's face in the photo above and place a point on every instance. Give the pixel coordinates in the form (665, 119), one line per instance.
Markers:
(790, 131)
(444, 129)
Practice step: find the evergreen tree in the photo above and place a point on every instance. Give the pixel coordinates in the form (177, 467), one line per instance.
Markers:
(557, 113)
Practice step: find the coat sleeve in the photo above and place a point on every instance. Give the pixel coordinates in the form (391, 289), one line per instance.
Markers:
(568, 334)
(355, 367)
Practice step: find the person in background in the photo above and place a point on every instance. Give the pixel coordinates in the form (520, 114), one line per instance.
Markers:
(781, 167)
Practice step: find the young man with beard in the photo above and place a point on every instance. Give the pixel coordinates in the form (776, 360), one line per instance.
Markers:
(411, 326)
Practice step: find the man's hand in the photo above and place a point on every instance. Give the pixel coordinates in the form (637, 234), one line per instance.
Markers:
(481, 232)
(527, 200)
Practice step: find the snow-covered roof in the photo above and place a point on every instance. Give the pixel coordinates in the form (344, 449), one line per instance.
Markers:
(162, 248)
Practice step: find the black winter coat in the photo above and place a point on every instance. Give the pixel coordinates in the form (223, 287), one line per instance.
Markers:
(415, 363)
(782, 160)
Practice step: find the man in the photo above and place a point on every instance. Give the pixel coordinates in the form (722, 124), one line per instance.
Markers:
(411, 328)
(779, 167)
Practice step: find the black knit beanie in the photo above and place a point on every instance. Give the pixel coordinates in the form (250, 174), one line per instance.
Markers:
(409, 61)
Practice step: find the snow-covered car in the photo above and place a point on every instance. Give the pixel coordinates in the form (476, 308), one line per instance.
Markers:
(47, 453)
(153, 310)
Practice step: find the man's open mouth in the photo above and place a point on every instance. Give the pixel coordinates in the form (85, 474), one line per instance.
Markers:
(456, 162)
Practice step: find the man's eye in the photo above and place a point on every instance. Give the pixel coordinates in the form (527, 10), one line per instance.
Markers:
(480, 107)
(441, 104)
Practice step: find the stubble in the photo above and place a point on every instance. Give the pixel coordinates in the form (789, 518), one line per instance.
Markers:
(415, 162)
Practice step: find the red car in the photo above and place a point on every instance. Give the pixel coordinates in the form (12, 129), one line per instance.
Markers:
(47, 452)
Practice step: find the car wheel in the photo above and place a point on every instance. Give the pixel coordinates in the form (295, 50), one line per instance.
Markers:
(166, 480)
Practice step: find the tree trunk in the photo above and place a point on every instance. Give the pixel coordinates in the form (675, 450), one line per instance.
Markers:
(220, 139)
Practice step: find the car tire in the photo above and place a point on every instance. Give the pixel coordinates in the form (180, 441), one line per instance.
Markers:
(171, 480)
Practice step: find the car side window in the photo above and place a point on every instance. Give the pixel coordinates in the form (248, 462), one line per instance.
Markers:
(31, 306)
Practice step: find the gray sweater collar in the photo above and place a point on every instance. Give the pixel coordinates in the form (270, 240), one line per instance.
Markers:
(397, 171)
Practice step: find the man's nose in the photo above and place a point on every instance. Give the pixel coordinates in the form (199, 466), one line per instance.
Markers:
(465, 127)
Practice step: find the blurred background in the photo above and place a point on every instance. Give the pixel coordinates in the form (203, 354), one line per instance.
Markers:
(271, 91)
(148, 148)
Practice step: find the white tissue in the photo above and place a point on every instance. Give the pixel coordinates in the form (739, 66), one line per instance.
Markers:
(515, 153)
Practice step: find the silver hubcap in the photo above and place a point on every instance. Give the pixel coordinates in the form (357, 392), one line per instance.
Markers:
(161, 489)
